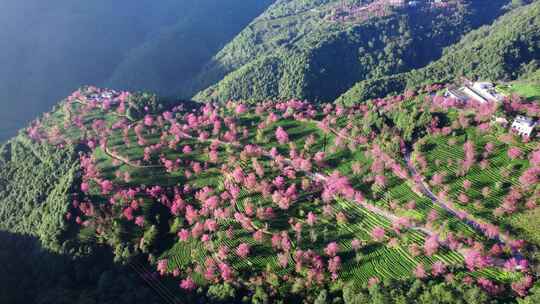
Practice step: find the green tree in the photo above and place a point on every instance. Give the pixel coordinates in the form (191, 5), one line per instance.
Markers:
(322, 297)
(221, 293)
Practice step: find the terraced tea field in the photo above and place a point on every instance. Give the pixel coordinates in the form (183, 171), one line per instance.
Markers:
(287, 189)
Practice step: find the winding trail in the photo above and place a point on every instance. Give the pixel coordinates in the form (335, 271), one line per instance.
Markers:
(127, 161)
(465, 217)
(322, 178)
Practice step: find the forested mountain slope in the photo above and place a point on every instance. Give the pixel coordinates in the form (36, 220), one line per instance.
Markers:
(35, 189)
(532, 76)
(49, 50)
(505, 50)
(300, 49)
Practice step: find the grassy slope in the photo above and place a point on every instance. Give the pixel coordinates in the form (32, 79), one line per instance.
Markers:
(305, 56)
(496, 52)
(528, 89)
(528, 223)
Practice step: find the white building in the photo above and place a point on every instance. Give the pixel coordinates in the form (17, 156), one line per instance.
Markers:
(487, 90)
(480, 91)
(524, 126)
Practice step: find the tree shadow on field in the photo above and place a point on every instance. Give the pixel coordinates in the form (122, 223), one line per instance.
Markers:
(428, 147)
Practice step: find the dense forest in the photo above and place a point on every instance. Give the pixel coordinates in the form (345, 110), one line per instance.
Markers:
(35, 187)
(305, 55)
(31, 274)
(38, 251)
(507, 50)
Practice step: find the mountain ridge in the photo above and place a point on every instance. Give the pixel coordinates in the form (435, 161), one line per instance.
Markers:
(304, 68)
(503, 51)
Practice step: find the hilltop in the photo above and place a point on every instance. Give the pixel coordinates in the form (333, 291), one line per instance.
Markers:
(289, 200)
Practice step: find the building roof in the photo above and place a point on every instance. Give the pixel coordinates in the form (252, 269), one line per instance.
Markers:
(474, 95)
(483, 85)
(487, 90)
(457, 93)
(522, 120)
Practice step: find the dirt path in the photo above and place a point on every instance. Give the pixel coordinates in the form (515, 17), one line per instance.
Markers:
(465, 217)
(127, 161)
(322, 178)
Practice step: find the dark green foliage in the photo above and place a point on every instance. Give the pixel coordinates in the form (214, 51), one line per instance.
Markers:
(255, 79)
(304, 56)
(494, 52)
(373, 88)
(534, 74)
(503, 51)
(221, 293)
(322, 297)
(260, 296)
(35, 185)
(415, 291)
(533, 297)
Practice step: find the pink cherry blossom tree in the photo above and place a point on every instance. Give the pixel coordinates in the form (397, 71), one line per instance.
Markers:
(378, 234)
(282, 136)
(514, 153)
(431, 245)
(243, 250)
(331, 249)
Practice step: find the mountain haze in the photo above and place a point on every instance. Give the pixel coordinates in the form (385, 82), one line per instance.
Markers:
(49, 50)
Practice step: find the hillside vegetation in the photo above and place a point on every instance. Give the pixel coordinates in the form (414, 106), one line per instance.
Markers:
(250, 194)
(308, 55)
(35, 189)
(505, 50)
(31, 274)
(290, 200)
